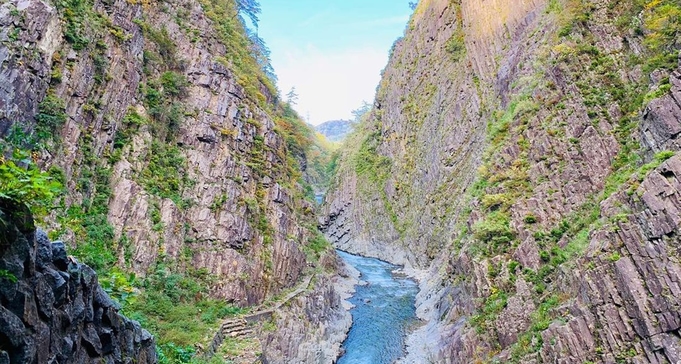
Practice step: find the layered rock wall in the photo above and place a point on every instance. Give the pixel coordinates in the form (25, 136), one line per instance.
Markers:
(184, 151)
(173, 149)
(524, 168)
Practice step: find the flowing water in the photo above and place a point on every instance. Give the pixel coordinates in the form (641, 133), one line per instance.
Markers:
(384, 309)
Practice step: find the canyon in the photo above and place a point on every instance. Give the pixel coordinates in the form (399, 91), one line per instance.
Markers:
(520, 161)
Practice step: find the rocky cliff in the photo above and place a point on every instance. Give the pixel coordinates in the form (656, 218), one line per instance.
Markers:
(51, 307)
(139, 108)
(521, 155)
(178, 160)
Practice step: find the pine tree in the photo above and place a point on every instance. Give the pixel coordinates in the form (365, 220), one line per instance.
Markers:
(249, 8)
(292, 97)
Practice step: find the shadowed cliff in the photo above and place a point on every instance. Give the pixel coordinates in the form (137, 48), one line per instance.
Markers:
(52, 308)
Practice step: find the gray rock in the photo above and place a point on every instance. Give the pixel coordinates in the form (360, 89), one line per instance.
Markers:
(44, 254)
(54, 315)
(59, 257)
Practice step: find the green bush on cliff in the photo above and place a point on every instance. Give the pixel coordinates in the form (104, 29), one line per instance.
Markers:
(175, 308)
(51, 115)
(658, 159)
(163, 175)
(456, 46)
(174, 84)
(22, 181)
(662, 24)
(75, 14)
(368, 162)
(495, 231)
(316, 246)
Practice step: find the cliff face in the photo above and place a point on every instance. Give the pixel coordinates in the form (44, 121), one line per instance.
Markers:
(522, 155)
(51, 306)
(178, 161)
(157, 132)
(315, 325)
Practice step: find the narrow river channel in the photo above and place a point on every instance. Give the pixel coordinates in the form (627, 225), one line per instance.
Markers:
(384, 309)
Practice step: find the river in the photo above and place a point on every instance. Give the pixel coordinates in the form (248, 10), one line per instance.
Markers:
(384, 310)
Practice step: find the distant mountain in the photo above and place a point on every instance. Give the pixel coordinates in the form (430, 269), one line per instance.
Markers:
(336, 130)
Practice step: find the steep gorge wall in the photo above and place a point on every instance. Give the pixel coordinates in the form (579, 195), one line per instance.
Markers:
(157, 127)
(430, 122)
(176, 156)
(515, 162)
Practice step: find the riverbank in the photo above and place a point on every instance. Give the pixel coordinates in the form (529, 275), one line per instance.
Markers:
(383, 314)
(311, 327)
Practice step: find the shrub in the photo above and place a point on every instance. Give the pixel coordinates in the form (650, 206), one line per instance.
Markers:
(530, 219)
(663, 156)
(51, 115)
(75, 14)
(22, 181)
(495, 230)
(174, 84)
(317, 245)
(456, 46)
(163, 175)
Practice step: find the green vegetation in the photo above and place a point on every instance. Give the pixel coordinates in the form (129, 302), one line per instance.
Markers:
(503, 181)
(7, 275)
(50, 117)
(369, 162)
(495, 232)
(531, 340)
(171, 301)
(173, 305)
(493, 304)
(316, 246)
(166, 47)
(76, 15)
(167, 112)
(164, 175)
(130, 124)
(456, 46)
(661, 24)
(88, 221)
(233, 35)
(22, 181)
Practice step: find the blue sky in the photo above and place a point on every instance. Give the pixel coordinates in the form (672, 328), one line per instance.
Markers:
(331, 51)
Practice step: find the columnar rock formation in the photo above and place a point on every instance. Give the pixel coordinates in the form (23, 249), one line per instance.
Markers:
(51, 307)
(516, 157)
(187, 156)
(174, 150)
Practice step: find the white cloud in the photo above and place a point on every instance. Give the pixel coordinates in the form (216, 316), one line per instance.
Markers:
(330, 84)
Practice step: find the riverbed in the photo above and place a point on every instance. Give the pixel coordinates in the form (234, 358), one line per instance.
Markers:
(384, 310)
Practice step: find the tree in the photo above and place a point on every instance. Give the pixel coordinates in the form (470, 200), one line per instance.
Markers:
(413, 5)
(249, 8)
(261, 53)
(292, 97)
(361, 111)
